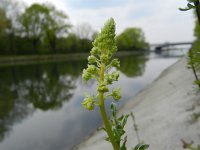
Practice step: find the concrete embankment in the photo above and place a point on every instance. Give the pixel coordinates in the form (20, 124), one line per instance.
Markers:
(163, 113)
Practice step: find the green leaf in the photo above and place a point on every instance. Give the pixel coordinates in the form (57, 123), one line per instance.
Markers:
(141, 146)
(190, 6)
(125, 120)
(123, 147)
(184, 9)
(192, 1)
(114, 110)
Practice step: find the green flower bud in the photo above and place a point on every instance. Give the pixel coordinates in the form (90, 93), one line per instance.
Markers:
(104, 58)
(92, 59)
(92, 69)
(115, 75)
(94, 51)
(88, 103)
(102, 88)
(115, 63)
(116, 93)
(86, 75)
(108, 79)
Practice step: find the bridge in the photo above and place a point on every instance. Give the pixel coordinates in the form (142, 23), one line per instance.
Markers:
(159, 47)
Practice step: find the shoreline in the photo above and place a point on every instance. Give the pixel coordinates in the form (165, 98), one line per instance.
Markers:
(163, 115)
(34, 59)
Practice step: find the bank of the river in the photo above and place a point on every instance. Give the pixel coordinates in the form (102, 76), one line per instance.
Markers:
(163, 113)
(32, 59)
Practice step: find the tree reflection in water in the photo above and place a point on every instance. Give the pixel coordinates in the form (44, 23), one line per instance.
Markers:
(133, 65)
(47, 87)
(23, 89)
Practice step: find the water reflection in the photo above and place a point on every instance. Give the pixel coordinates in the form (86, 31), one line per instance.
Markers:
(23, 89)
(133, 65)
(45, 100)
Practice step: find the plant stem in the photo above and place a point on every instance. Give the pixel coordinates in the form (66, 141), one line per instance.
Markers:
(198, 10)
(195, 74)
(135, 127)
(103, 112)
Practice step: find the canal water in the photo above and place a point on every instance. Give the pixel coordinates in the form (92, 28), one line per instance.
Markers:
(40, 104)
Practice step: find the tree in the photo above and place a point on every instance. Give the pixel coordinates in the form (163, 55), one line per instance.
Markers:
(43, 22)
(55, 26)
(33, 22)
(131, 39)
(3, 21)
(85, 34)
(12, 11)
(3, 26)
(84, 31)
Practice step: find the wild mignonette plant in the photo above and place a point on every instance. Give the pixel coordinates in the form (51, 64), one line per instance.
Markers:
(194, 52)
(99, 67)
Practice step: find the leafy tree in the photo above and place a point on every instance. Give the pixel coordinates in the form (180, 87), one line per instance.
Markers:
(86, 34)
(32, 23)
(55, 26)
(3, 25)
(84, 31)
(11, 9)
(72, 43)
(131, 39)
(3, 21)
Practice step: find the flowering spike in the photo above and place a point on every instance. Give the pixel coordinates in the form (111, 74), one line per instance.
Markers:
(106, 41)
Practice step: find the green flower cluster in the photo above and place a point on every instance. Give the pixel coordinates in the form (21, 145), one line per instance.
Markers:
(100, 62)
(88, 103)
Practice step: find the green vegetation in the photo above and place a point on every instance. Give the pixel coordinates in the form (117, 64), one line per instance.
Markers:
(133, 66)
(194, 59)
(99, 67)
(28, 88)
(189, 146)
(132, 38)
(194, 53)
(43, 29)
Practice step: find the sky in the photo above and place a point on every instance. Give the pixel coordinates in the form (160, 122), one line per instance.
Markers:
(161, 21)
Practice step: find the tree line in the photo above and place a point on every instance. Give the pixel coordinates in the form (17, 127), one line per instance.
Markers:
(43, 29)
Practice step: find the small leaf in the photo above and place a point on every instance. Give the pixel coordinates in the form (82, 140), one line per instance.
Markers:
(120, 118)
(192, 1)
(123, 147)
(184, 9)
(190, 6)
(114, 110)
(141, 146)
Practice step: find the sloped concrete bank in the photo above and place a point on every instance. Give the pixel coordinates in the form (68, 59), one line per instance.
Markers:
(162, 111)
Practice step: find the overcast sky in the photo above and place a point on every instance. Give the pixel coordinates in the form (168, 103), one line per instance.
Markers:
(160, 20)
